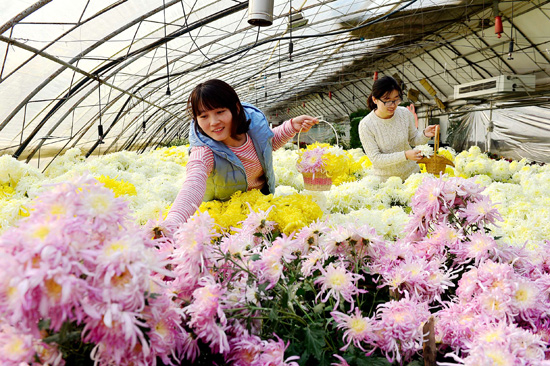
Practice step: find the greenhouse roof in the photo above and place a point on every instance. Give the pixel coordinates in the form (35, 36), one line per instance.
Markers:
(71, 66)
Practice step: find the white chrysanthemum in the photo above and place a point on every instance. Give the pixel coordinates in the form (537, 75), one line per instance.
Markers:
(500, 171)
(353, 195)
(356, 154)
(425, 150)
(282, 190)
(12, 210)
(483, 180)
(387, 222)
(12, 170)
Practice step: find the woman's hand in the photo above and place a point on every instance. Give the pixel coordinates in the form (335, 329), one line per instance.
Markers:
(414, 155)
(430, 130)
(303, 123)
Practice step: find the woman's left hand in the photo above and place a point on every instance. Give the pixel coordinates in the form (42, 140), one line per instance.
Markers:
(430, 130)
(303, 123)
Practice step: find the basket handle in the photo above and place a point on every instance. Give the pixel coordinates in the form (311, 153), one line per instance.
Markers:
(320, 120)
(436, 139)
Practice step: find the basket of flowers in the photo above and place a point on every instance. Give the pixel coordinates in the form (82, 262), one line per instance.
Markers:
(312, 163)
(436, 163)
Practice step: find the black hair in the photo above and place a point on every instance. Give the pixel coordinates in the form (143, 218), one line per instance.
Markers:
(381, 87)
(214, 94)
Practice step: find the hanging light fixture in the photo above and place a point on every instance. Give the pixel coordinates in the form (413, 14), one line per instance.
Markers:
(498, 19)
(296, 20)
(260, 12)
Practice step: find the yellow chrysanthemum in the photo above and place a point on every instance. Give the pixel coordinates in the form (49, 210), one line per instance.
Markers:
(6, 190)
(290, 213)
(177, 154)
(446, 154)
(339, 164)
(119, 187)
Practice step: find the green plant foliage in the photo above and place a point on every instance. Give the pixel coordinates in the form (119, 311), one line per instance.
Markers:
(176, 142)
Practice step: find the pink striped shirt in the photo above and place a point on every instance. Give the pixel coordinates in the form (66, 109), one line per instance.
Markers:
(201, 164)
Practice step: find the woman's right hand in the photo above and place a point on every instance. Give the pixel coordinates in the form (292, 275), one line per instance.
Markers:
(414, 155)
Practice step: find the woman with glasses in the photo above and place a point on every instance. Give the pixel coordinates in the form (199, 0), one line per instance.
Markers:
(388, 132)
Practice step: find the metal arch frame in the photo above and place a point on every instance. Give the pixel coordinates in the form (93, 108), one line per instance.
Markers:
(534, 46)
(190, 70)
(396, 68)
(112, 6)
(88, 78)
(127, 57)
(72, 61)
(25, 13)
(66, 97)
(410, 2)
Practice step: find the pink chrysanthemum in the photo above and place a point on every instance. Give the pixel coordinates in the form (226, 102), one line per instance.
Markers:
(15, 347)
(399, 328)
(504, 344)
(456, 324)
(337, 281)
(422, 279)
(206, 316)
(314, 260)
(477, 247)
(273, 353)
(308, 237)
(341, 361)
(311, 161)
(481, 212)
(270, 267)
(358, 328)
(244, 350)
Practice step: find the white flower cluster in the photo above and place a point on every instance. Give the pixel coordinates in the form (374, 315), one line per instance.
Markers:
(520, 191)
(474, 162)
(426, 150)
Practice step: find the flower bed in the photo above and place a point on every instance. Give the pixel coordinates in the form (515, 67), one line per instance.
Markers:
(351, 276)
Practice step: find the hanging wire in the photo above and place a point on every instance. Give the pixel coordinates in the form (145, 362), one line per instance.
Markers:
(100, 126)
(290, 44)
(166, 49)
(511, 45)
(200, 49)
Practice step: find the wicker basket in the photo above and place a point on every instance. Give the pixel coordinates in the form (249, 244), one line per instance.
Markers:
(319, 180)
(436, 164)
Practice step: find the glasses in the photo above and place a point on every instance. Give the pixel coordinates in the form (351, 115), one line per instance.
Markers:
(390, 102)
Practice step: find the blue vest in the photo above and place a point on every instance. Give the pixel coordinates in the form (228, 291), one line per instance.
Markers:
(228, 175)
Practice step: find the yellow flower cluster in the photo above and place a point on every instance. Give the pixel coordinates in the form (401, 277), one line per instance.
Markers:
(119, 187)
(177, 154)
(339, 164)
(6, 190)
(290, 213)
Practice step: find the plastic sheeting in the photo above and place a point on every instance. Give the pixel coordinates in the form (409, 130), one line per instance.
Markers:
(514, 133)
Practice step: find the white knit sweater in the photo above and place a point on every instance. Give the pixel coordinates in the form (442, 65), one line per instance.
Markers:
(386, 140)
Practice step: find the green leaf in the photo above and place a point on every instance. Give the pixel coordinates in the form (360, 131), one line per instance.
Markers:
(373, 361)
(416, 363)
(284, 300)
(255, 257)
(274, 234)
(44, 324)
(273, 316)
(315, 339)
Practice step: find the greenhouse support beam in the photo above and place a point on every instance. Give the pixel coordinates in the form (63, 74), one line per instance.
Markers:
(25, 13)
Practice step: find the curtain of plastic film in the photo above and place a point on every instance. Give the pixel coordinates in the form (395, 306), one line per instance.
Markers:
(514, 133)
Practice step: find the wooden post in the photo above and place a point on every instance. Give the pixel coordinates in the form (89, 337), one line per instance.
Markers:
(428, 348)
